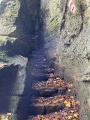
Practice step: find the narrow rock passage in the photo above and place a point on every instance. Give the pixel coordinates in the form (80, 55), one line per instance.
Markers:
(51, 98)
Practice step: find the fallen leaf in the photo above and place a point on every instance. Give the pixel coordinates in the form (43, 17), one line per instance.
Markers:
(67, 103)
(73, 103)
(72, 111)
(69, 90)
(71, 97)
(69, 117)
(78, 102)
(76, 114)
(65, 113)
(56, 113)
(9, 113)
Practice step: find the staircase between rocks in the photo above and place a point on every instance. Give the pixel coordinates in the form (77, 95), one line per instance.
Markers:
(51, 97)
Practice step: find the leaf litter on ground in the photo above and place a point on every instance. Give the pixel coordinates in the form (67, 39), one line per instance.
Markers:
(72, 105)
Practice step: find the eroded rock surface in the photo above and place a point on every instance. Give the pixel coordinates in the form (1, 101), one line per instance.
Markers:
(18, 25)
(67, 43)
(65, 36)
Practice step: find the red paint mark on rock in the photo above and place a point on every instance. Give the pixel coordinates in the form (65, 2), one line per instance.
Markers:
(71, 6)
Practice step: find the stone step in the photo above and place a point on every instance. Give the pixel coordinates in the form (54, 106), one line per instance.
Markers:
(42, 71)
(35, 109)
(64, 114)
(51, 82)
(42, 57)
(50, 87)
(40, 77)
(43, 105)
(39, 62)
(49, 91)
(38, 66)
(46, 71)
(36, 56)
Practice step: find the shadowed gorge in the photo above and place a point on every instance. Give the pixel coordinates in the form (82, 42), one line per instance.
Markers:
(45, 59)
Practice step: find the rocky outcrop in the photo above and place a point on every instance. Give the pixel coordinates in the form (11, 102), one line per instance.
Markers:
(18, 26)
(65, 34)
(66, 41)
(65, 37)
(18, 37)
(12, 83)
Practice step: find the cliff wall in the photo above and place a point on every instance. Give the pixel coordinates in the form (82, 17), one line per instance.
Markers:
(66, 40)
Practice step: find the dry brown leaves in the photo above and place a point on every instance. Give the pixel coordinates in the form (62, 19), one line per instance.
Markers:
(68, 101)
(66, 114)
(70, 112)
(56, 82)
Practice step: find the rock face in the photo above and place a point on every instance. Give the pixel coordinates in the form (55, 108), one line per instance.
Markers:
(18, 36)
(18, 24)
(67, 41)
(65, 34)
(12, 83)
